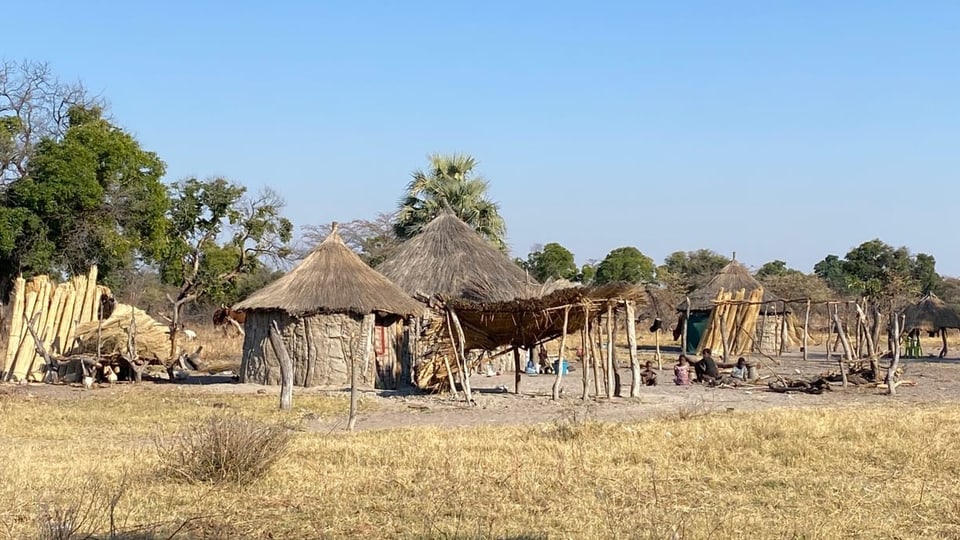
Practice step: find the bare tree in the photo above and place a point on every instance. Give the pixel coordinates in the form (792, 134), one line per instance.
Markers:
(33, 106)
(373, 240)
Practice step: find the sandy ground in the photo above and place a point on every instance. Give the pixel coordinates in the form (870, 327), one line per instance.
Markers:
(937, 381)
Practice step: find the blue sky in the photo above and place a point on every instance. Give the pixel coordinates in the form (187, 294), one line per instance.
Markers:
(779, 130)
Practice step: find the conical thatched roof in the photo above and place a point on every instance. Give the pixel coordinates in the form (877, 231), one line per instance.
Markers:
(451, 259)
(931, 314)
(332, 279)
(731, 278)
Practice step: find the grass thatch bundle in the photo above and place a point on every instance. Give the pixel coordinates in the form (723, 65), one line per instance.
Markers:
(733, 277)
(152, 337)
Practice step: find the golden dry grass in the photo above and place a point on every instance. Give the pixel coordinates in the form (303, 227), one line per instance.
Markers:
(882, 471)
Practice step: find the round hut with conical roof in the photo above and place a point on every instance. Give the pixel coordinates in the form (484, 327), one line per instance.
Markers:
(932, 315)
(330, 308)
(761, 324)
(450, 259)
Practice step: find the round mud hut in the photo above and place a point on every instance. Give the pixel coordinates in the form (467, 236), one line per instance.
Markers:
(450, 259)
(331, 309)
(932, 315)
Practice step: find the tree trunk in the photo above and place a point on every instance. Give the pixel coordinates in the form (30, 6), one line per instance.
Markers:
(286, 367)
(943, 334)
(632, 343)
(895, 363)
(560, 360)
(806, 330)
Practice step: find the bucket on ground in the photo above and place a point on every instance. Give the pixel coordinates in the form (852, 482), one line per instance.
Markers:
(557, 366)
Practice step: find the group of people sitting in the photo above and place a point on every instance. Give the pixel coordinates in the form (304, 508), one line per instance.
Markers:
(704, 371)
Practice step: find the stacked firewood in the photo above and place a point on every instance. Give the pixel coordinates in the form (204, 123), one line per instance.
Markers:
(53, 312)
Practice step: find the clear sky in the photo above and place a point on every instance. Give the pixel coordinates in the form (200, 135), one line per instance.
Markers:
(779, 130)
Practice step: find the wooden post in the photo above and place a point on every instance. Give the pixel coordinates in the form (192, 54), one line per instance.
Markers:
(829, 337)
(686, 324)
(135, 366)
(632, 343)
(461, 353)
(806, 330)
(895, 363)
(763, 327)
(659, 356)
(846, 344)
(597, 359)
(611, 390)
(585, 344)
(37, 344)
(446, 360)
(286, 367)
(943, 334)
(516, 365)
(560, 360)
(723, 334)
(783, 328)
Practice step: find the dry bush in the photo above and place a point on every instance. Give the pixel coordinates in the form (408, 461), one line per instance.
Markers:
(222, 449)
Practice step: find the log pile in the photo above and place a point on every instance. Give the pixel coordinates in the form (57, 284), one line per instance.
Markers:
(54, 312)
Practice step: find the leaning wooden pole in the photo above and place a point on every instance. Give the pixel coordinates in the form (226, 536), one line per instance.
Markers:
(462, 356)
(286, 368)
(560, 361)
(446, 360)
(596, 359)
(632, 344)
(806, 330)
(846, 344)
(895, 363)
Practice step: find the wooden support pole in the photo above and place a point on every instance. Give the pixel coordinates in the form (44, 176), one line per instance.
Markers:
(560, 359)
(446, 361)
(516, 365)
(632, 344)
(806, 331)
(763, 327)
(286, 367)
(462, 356)
(612, 388)
(585, 347)
(38, 344)
(597, 360)
(943, 335)
(686, 324)
(783, 328)
(846, 344)
(895, 363)
(829, 338)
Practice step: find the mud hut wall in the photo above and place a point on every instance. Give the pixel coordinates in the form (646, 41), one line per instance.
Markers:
(388, 346)
(314, 344)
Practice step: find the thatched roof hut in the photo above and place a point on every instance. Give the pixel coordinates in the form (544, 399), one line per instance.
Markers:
(733, 277)
(329, 309)
(450, 259)
(931, 314)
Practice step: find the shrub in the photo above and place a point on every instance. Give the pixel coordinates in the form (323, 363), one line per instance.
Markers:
(222, 449)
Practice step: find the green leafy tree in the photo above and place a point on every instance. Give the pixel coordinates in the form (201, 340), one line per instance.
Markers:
(831, 271)
(201, 213)
(625, 264)
(92, 197)
(875, 269)
(450, 181)
(587, 274)
(775, 268)
(925, 273)
(682, 272)
(551, 261)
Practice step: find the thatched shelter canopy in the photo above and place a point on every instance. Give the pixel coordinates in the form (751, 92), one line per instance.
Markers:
(449, 258)
(931, 314)
(731, 278)
(525, 322)
(332, 279)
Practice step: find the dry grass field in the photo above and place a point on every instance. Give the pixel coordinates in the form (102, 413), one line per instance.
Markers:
(674, 463)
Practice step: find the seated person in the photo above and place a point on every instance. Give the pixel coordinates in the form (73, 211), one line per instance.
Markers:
(740, 371)
(706, 369)
(681, 371)
(648, 376)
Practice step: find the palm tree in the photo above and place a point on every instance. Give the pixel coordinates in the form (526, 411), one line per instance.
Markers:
(449, 182)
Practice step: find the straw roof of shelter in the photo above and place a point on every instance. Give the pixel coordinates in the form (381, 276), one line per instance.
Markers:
(451, 259)
(731, 278)
(659, 305)
(930, 314)
(332, 279)
(525, 322)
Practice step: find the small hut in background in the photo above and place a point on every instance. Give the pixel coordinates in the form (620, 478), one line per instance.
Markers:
(450, 259)
(321, 308)
(932, 315)
(758, 321)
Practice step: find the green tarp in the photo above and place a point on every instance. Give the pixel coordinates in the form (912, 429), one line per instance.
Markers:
(696, 326)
